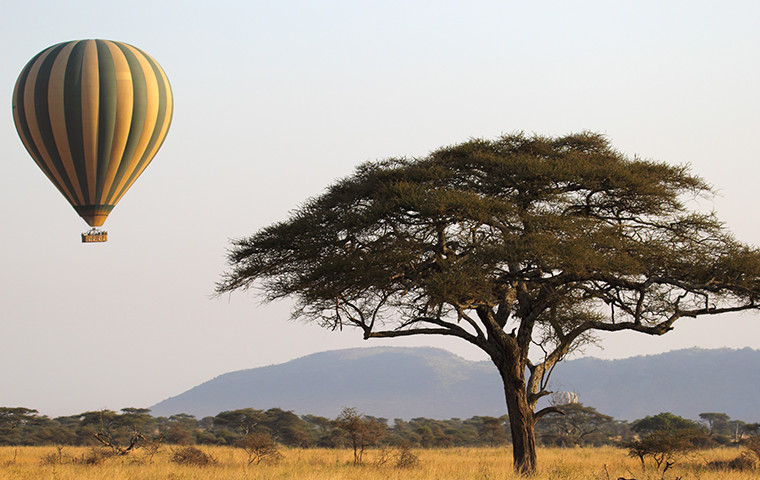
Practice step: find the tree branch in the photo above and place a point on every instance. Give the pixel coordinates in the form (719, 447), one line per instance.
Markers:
(461, 313)
(547, 410)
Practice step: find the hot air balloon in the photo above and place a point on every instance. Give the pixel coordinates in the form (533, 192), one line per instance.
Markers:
(92, 114)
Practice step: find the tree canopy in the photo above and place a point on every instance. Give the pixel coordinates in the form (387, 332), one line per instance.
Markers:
(509, 243)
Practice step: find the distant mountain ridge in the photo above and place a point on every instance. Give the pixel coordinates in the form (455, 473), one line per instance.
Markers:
(685, 382)
(409, 382)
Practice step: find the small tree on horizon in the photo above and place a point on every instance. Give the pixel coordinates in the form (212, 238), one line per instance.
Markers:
(362, 431)
(665, 437)
(508, 244)
(492, 431)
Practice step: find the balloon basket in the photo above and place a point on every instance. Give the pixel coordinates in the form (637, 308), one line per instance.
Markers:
(94, 236)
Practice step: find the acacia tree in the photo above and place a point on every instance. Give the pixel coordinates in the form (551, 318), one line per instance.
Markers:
(509, 244)
(492, 430)
(362, 431)
(576, 423)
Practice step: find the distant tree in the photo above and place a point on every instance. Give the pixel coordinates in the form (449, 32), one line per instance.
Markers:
(136, 419)
(751, 429)
(286, 427)
(322, 431)
(206, 432)
(230, 425)
(664, 437)
(469, 431)
(180, 429)
(42, 430)
(403, 433)
(507, 244)
(121, 433)
(362, 431)
(12, 421)
(322, 424)
(575, 424)
(662, 446)
(12, 418)
(717, 422)
(492, 431)
(664, 422)
(433, 433)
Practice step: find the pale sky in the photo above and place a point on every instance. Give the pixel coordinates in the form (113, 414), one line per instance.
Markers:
(276, 100)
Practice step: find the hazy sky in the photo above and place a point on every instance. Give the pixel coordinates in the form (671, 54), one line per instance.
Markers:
(276, 99)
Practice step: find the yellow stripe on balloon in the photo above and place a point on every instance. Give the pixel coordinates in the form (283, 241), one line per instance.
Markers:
(124, 104)
(159, 140)
(167, 120)
(58, 117)
(151, 114)
(90, 106)
(34, 129)
(165, 125)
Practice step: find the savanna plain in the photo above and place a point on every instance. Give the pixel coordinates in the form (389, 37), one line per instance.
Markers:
(602, 463)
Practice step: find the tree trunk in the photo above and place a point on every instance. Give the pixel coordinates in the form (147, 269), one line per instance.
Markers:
(521, 420)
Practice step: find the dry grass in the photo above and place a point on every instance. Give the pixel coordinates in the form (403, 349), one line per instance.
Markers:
(41, 463)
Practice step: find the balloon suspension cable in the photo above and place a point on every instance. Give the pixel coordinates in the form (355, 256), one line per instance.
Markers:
(94, 236)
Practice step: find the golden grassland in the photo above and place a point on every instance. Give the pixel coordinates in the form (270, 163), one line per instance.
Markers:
(603, 463)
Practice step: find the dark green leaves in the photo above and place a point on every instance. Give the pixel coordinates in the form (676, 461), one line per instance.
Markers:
(569, 222)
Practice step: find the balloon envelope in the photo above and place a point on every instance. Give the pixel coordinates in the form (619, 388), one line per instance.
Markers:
(92, 114)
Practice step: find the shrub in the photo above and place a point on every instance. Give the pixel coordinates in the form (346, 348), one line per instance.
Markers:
(192, 456)
(53, 458)
(260, 447)
(745, 461)
(402, 457)
(95, 456)
(406, 458)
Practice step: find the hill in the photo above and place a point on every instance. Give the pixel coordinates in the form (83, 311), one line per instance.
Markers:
(398, 382)
(385, 382)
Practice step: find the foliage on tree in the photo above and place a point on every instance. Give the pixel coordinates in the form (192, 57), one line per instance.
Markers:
(433, 433)
(492, 431)
(12, 423)
(282, 425)
(179, 429)
(716, 422)
(507, 244)
(751, 429)
(725, 430)
(663, 422)
(12, 418)
(241, 421)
